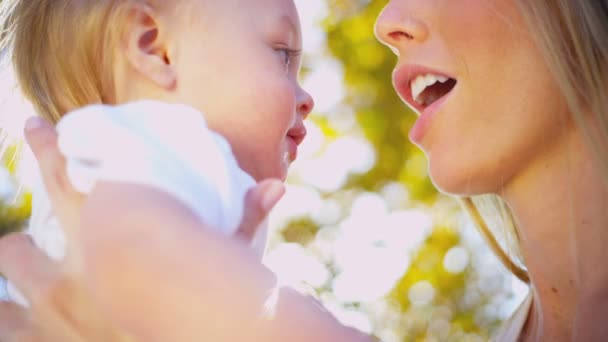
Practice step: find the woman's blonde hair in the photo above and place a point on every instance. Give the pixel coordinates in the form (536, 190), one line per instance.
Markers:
(62, 51)
(573, 35)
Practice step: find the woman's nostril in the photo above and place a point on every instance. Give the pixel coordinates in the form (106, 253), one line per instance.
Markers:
(400, 35)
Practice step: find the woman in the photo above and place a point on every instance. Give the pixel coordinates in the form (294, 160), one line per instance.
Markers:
(515, 104)
(522, 114)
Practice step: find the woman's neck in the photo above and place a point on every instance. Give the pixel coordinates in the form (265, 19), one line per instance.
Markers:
(559, 205)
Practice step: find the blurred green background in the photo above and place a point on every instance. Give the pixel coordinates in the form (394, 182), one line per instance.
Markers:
(361, 226)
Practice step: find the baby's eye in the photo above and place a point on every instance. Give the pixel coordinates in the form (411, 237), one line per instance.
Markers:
(287, 55)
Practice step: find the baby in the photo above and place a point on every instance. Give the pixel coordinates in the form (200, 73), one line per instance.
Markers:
(232, 63)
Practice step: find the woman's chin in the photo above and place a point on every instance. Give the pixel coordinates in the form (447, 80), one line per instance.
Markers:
(458, 183)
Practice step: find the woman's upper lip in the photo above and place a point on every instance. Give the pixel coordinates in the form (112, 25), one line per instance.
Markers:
(297, 132)
(403, 77)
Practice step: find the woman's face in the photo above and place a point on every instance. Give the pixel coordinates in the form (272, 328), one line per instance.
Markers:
(489, 107)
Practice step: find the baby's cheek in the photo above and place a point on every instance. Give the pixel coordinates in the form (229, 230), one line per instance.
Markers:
(261, 154)
(272, 114)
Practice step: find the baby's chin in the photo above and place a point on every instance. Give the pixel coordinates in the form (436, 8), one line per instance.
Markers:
(278, 171)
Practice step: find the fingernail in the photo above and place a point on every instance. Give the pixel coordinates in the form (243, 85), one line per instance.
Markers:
(33, 123)
(272, 195)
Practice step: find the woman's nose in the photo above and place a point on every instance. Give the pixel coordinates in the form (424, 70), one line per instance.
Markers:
(397, 27)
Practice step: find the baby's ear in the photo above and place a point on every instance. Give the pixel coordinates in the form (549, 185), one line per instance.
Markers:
(146, 47)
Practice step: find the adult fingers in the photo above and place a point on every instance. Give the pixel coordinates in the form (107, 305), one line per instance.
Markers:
(14, 322)
(25, 266)
(42, 139)
(56, 311)
(258, 203)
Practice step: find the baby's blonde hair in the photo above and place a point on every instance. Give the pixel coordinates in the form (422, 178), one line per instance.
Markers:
(63, 51)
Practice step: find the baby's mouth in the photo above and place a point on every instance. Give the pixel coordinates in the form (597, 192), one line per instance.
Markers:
(428, 88)
(297, 133)
(295, 136)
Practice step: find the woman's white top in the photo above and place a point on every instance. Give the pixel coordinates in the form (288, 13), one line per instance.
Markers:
(165, 146)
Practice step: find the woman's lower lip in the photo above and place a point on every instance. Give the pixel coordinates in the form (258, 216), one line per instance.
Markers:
(421, 126)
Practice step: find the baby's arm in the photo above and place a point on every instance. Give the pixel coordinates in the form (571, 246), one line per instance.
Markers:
(164, 276)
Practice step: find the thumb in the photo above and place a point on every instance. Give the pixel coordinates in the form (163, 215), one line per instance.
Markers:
(258, 203)
(42, 138)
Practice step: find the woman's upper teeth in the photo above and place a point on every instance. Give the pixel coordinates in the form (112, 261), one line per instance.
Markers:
(420, 83)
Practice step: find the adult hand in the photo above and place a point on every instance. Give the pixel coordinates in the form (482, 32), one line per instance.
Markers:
(61, 307)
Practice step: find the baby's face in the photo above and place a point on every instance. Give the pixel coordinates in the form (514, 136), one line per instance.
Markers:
(238, 62)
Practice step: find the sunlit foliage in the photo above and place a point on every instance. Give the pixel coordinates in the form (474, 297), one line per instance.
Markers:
(15, 205)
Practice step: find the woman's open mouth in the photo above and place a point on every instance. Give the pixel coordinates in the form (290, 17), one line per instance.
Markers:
(425, 91)
(420, 87)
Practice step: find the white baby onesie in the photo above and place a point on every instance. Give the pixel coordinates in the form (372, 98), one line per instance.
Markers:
(166, 146)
